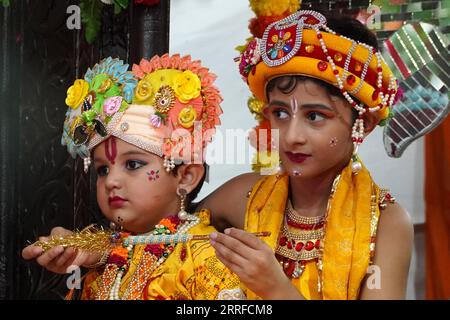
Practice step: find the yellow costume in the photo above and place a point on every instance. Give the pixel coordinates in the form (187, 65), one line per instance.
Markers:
(350, 229)
(191, 271)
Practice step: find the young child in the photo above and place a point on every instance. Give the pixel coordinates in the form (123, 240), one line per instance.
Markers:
(145, 131)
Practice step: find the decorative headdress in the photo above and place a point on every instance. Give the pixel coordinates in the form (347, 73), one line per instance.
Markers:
(166, 106)
(106, 90)
(303, 44)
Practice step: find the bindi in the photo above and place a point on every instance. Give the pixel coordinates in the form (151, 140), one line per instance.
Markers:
(111, 150)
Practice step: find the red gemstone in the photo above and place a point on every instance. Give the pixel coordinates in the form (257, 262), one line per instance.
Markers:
(336, 72)
(283, 241)
(379, 69)
(309, 246)
(319, 36)
(375, 94)
(317, 244)
(322, 66)
(183, 254)
(351, 79)
(290, 269)
(299, 246)
(289, 245)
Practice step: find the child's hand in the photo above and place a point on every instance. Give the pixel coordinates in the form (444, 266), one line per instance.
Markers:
(58, 259)
(255, 264)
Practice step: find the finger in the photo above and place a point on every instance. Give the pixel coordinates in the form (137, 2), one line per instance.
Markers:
(65, 259)
(238, 270)
(44, 239)
(229, 255)
(50, 255)
(31, 252)
(245, 237)
(233, 244)
(59, 231)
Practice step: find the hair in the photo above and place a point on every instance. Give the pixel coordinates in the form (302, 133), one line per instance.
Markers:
(343, 25)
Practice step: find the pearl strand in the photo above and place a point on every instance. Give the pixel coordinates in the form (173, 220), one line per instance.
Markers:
(114, 293)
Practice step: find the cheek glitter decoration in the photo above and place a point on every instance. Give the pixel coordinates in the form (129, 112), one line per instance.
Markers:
(333, 142)
(153, 175)
(296, 173)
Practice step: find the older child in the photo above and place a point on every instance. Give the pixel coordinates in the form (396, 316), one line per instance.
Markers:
(322, 83)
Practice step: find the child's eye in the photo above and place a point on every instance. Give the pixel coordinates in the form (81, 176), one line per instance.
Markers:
(315, 116)
(102, 171)
(134, 164)
(280, 113)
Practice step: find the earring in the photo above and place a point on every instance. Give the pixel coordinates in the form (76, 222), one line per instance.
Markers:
(357, 139)
(182, 214)
(87, 163)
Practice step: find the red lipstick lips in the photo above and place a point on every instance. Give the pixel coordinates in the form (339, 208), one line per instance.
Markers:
(297, 157)
(116, 202)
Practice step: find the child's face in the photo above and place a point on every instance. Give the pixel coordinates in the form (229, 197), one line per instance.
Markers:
(314, 129)
(133, 188)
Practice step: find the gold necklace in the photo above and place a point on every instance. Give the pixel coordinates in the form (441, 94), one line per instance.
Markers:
(296, 248)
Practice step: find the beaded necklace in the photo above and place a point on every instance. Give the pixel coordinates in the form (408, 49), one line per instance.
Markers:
(152, 257)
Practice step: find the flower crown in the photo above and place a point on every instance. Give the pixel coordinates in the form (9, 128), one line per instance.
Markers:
(93, 101)
(167, 106)
(186, 104)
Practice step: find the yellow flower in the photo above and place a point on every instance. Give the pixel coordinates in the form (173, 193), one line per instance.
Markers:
(187, 86)
(144, 90)
(187, 116)
(76, 93)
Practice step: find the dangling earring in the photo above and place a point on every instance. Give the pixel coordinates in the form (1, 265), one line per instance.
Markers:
(168, 163)
(87, 163)
(182, 214)
(357, 139)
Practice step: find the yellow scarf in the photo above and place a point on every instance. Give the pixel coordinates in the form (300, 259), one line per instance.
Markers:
(350, 230)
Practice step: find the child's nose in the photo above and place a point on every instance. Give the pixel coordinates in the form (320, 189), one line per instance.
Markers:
(295, 134)
(113, 179)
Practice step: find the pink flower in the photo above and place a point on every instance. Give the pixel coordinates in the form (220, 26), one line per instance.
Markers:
(112, 105)
(155, 121)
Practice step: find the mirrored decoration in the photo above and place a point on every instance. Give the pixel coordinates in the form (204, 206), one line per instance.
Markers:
(419, 57)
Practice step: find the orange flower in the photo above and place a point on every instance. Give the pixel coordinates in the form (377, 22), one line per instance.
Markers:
(120, 251)
(168, 224)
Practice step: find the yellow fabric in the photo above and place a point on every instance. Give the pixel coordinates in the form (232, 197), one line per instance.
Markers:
(348, 232)
(199, 276)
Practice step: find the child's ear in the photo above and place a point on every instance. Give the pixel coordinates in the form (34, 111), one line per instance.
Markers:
(190, 175)
(370, 122)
